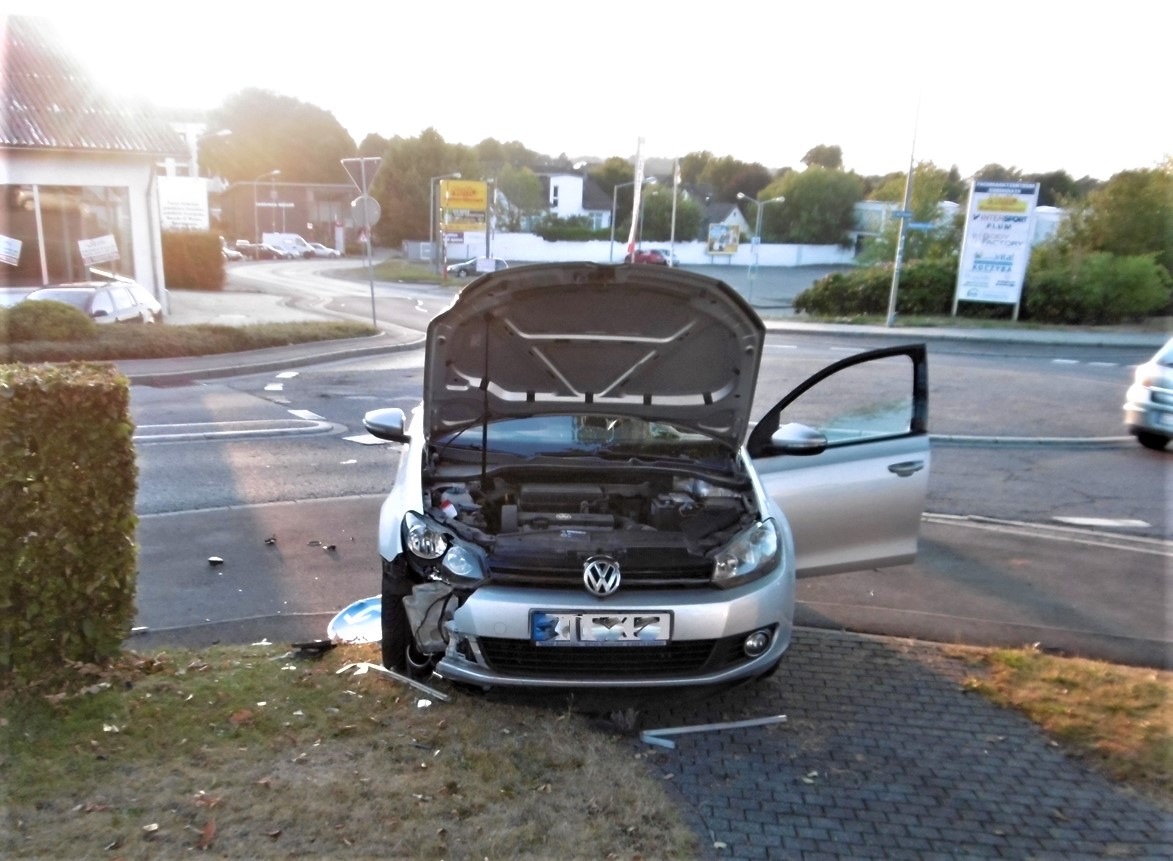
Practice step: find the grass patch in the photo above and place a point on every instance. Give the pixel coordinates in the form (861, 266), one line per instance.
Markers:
(1118, 718)
(253, 753)
(112, 343)
(395, 269)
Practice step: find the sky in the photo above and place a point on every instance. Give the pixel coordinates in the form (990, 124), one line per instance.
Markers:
(1034, 84)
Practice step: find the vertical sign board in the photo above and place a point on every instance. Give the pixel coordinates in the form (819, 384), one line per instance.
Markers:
(996, 247)
(183, 202)
(464, 208)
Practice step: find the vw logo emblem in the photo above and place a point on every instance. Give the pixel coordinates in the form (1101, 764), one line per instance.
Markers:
(601, 576)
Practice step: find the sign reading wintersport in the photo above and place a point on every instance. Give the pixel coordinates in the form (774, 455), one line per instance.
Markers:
(996, 248)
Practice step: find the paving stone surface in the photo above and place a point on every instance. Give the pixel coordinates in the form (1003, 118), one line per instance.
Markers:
(884, 755)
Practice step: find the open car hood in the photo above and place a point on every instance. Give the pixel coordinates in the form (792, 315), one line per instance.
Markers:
(584, 338)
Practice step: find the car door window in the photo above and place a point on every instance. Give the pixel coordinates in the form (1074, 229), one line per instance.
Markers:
(103, 304)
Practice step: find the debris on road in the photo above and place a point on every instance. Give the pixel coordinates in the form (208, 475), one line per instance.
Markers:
(656, 736)
(364, 666)
(215, 560)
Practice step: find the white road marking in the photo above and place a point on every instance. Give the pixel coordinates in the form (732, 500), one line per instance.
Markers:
(287, 375)
(365, 439)
(1064, 361)
(275, 387)
(306, 414)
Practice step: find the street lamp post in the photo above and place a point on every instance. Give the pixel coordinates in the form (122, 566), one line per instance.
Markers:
(432, 215)
(651, 180)
(757, 235)
(256, 206)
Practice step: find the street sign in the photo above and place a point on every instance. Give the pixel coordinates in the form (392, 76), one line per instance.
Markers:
(902, 213)
(362, 171)
(366, 210)
(361, 622)
(919, 225)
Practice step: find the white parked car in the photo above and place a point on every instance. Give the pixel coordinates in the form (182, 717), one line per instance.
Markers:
(1148, 403)
(320, 250)
(117, 301)
(581, 501)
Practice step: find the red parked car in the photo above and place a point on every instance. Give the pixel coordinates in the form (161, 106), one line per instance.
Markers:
(650, 255)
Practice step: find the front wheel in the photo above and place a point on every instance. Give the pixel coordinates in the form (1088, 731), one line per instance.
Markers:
(1155, 441)
(396, 633)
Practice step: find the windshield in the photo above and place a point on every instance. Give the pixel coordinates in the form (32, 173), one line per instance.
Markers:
(594, 435)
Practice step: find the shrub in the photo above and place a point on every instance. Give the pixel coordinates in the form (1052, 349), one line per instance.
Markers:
(1098, 288)
(926, 287)
(192, 260)
(48, 321)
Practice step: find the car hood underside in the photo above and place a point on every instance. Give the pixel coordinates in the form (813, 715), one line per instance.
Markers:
(584, 338)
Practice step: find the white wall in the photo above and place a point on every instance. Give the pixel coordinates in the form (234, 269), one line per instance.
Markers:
(531, 248)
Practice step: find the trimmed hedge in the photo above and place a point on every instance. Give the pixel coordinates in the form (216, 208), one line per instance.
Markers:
(45, 320)
(67, 538)
(193, 260)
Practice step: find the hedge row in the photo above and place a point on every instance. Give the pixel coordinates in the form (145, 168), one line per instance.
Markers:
(1097, 289)
(67, 537)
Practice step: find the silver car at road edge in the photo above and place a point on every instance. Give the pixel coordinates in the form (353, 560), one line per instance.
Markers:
(581, 501)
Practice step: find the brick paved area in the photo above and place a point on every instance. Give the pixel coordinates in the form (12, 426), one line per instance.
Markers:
(884, 755)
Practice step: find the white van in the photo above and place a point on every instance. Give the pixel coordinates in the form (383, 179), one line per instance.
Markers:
(291, 242)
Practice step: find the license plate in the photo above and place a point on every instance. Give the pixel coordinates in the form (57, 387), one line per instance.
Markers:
(551, 628)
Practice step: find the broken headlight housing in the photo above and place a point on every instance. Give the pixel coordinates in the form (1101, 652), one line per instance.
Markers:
(754, 553)
(436, 553)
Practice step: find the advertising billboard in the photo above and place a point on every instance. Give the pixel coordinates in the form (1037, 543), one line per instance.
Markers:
(463, 205)
(996, 247)
(723, 238)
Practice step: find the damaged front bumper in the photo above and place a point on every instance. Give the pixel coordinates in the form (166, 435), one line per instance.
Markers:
(505, 636)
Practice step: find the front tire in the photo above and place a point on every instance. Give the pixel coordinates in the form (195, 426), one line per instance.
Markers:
(393, 617)
(1155, 441)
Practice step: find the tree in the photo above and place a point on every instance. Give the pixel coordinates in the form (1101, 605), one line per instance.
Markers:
(998, 173)
(274, 132)
(403, 184)
(819, 207)
(725, 177)
(1056, 188)
(521, 196)
(692, 166)
(1132, 214)
(657, 215)
(830, 157)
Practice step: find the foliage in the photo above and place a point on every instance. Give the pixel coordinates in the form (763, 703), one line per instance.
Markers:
(997, 173)
(575, 228)
(926, 288)
(818, 208)
(1130, 214)
(1100, 289)
(1097, 288)
(942, 241)
(403, 184)
(274, 132)
(110, 343)
(830, 157)
(1058, 188)
(67, 489)
(657, 215)
(44, 320)
(723, 178)
(192, 260)
(520, 196)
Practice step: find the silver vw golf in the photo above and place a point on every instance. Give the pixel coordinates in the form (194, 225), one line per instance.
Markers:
(581, 501)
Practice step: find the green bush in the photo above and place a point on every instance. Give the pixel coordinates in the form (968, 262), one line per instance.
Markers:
(1096, 289)
(48, 321)
(67, 539)
(926, 287)
(576, 228)
(193, 260)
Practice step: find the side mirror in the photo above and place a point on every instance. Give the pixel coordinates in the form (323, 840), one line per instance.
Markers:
(389, 424)
(798, 439)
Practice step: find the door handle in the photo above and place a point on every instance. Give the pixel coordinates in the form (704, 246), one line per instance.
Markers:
(907, 468)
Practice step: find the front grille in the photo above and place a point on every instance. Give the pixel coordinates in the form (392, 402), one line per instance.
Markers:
(522, 659)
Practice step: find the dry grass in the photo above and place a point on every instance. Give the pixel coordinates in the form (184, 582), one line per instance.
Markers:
(253, 753)
(1118, 718)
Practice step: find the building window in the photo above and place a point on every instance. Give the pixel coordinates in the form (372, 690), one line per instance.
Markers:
(78, 227)
(553, 197)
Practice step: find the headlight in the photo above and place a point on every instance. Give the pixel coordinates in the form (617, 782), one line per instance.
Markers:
(422, 538)
(438, 554)
(752, 554)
